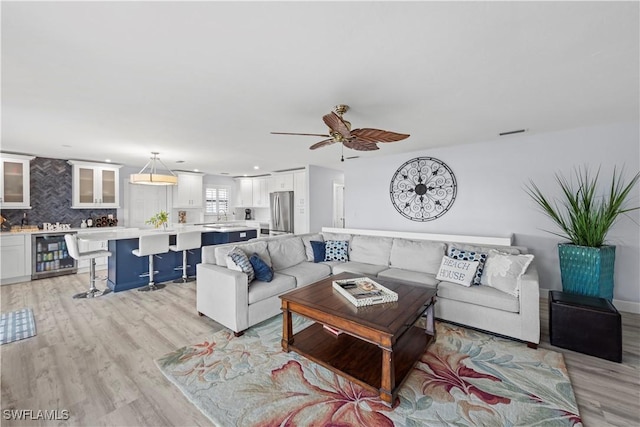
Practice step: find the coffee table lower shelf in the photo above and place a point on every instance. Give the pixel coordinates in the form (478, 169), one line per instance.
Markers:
(358, 360)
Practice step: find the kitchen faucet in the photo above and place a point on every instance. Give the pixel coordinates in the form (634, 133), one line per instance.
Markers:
(223, 214)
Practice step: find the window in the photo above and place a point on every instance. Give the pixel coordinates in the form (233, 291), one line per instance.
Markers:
(217, 201)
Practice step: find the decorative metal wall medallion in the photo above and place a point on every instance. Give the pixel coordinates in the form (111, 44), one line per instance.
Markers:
(423, 189)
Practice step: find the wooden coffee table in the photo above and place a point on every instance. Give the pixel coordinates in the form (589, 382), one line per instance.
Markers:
(380, 343)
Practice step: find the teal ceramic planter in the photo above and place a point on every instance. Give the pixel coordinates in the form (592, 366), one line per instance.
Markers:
(586, 270)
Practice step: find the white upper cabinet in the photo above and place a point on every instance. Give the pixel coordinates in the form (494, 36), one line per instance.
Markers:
(244, 192)
(14, 190)
(189, 191)
(282, 182)
(95, 185)
(260, 192)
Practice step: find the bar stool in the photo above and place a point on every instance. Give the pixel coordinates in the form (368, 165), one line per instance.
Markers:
(151, 245)
(74, 251)
(186, 241)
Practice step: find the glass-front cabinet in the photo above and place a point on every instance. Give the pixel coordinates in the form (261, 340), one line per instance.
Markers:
(14, 189)
(95, 185)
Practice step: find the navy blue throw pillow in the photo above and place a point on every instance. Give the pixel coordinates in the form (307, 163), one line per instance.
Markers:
(263, 272)
(318, 250)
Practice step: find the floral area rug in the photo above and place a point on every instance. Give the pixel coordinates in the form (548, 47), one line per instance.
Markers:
(466, 378)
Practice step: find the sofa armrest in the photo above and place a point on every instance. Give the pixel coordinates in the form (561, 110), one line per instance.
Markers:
(223, 295)
(530, 305)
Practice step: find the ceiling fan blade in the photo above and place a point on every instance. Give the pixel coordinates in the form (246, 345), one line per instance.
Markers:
(303, 134)
(377, 135)
(356, 144)
(322, 143)
(336, 124)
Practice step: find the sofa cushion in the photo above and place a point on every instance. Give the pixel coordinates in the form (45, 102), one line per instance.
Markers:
(337, 236)
(370, 249)
(336, 250)
(307, 272)
(506, 249)
(416, 255)
(410, 276)
(479, 295)
(262, 271)
(331, 264)
(307, 239)
(286, 252)
(358, 268)
(259, 248)
(259, 291)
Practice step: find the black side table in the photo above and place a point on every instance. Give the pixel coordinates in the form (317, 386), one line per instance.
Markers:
(585, 324)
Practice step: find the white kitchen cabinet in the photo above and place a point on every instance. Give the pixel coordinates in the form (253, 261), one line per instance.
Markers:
(189, 191)
(95, 185)
(260, 192)
(300, 213)
(15, 258)
(244, 192)
(300, 188)
(15, 174)
(283, 182)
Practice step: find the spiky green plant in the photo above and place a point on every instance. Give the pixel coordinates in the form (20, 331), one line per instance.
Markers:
(584, 216)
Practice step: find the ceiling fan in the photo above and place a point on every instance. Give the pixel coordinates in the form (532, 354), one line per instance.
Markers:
(364, 139)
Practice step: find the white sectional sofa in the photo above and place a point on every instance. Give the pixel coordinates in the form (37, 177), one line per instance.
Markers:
(225, 295)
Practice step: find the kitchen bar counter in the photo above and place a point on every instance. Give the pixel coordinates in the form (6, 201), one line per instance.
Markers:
(127, 271)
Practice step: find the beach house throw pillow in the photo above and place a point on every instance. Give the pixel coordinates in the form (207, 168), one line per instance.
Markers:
(457, 271)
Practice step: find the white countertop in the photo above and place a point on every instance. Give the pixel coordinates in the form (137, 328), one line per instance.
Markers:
(103, 234)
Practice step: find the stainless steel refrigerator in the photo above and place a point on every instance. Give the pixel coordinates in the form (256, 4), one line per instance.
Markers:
(281, 206)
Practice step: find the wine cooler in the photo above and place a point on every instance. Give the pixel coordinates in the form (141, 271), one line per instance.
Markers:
(50, 256)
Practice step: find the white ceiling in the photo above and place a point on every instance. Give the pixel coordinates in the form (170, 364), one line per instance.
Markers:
(205, 82)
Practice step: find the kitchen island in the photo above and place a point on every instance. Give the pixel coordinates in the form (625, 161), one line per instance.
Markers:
(127, 271)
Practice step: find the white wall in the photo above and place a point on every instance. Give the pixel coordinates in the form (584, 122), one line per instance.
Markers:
(320, 196)
(491, 200)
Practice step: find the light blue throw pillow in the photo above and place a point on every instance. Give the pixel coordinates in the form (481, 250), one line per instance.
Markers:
(336, 250)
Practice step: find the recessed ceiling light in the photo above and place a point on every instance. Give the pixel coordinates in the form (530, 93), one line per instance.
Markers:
(196, 170)
(107, 160)
(256, 167)
(179, 161)
(245, 174)
(224, 173)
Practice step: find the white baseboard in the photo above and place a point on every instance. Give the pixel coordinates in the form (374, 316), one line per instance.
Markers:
(621, 305)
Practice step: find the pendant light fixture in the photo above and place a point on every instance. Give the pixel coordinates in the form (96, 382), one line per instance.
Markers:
(151, 176)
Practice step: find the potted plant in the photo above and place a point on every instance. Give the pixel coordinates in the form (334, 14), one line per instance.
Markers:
(159, 220)
(584, 217)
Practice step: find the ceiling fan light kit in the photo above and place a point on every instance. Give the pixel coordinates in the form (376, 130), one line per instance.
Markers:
(364, 139)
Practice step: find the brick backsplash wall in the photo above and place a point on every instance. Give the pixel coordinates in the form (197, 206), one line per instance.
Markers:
(51, 197)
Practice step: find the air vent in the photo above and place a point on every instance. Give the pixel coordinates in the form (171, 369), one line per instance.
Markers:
(511, 132)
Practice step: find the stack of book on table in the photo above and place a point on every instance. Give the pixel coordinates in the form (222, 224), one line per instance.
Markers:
(363, 291)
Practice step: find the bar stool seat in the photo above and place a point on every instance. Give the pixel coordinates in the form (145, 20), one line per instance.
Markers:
(74, 251)
(186, 241)
(151, 245)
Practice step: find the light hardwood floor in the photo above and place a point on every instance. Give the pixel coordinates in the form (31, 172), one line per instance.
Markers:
(95, 358)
